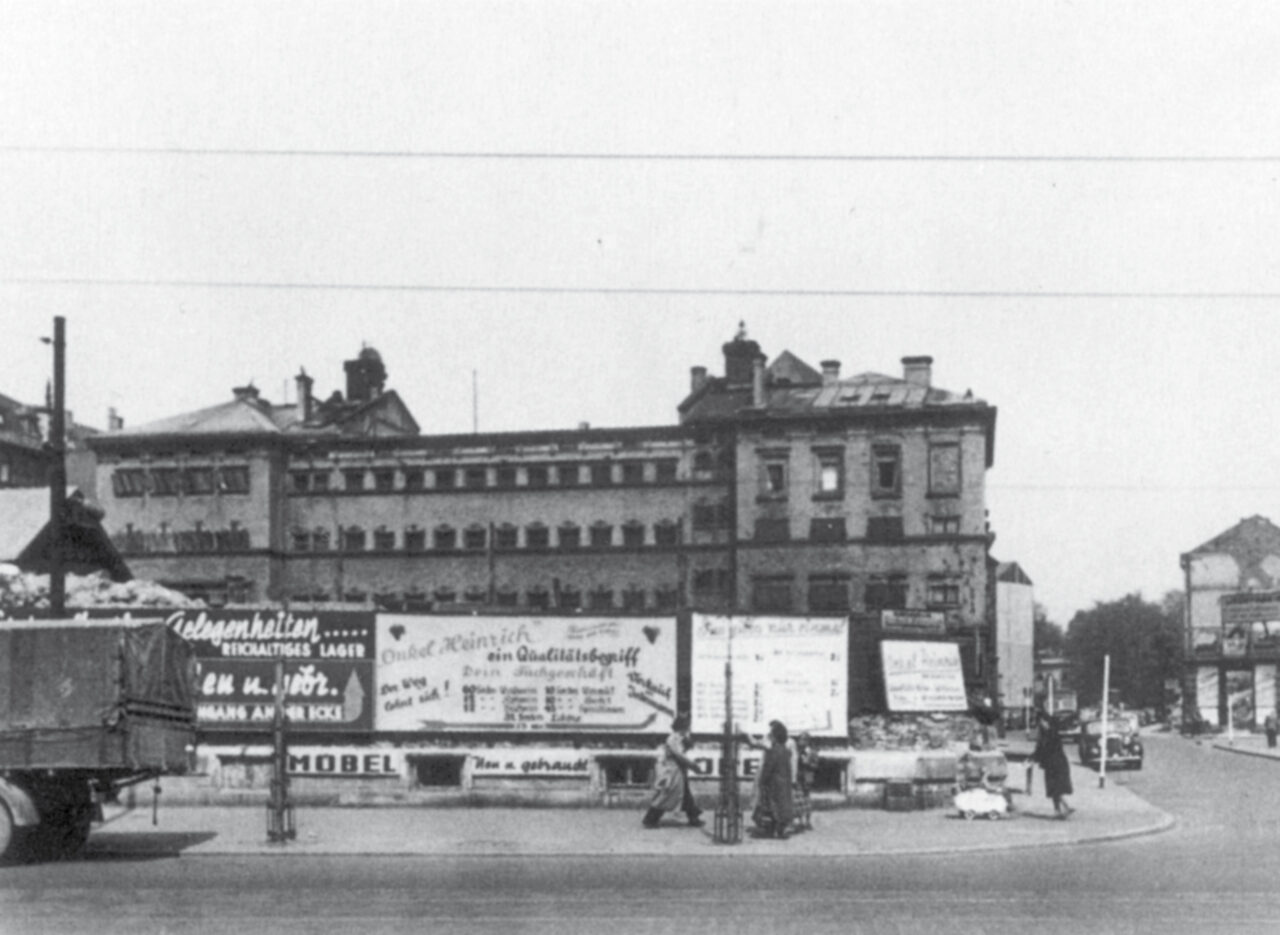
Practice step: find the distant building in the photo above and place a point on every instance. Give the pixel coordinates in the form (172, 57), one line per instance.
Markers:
(1233, 624)
(24, 459)
(781, 489)
(1015, 635)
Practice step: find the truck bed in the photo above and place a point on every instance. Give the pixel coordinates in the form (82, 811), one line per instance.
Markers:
(101, 696)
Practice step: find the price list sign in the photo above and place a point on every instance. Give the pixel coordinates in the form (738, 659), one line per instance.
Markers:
(788, 669)
(525, 673)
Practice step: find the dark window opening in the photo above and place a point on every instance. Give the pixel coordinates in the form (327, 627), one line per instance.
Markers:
(384, 539)
(601, 536)
(539, 476)
(633, 535)
(506, 536)
(666, 598)
(537, 536)
(831, 529)
(353, 540)
(886, 472)
(666, 533)
(600, 599)
(415, 540)
(568, 475)
(771, 595)
(439, 771)
(828, 594)
(197, 481)
(570, 537)
(538, 599)
(632, 472)
(633, 600)
(772, 530)
(445, 538)
(506, 476)
(475, 478)
(166, 482)
(886, 592)
(413, 479)
(446, 478)
(665, 472)
(475, 537)
(353, 480)
(602, 474)
(884, 528)
(384, 481)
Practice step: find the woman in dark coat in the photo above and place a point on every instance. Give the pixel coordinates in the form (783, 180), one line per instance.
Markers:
(774, 806)
(1053, 760)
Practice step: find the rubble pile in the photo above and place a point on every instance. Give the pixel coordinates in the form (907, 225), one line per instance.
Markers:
(912, 731)
(23, 591)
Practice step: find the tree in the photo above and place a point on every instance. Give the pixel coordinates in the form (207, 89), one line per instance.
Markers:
(1048, 638)
(1144, 641)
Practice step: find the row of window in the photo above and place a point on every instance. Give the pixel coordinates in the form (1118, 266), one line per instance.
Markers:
(478, 537)
(834, 593)
(486, 477)
(561, 597)
(834, 529)
(886, 471)
(174, 482)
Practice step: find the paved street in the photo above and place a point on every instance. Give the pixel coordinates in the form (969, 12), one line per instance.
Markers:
(1214, 871)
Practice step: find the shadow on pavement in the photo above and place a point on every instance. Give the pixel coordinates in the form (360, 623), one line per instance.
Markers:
(118, 845)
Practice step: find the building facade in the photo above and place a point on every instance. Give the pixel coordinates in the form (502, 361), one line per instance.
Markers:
(780, 489)
(1015, 636)
(1232, 645)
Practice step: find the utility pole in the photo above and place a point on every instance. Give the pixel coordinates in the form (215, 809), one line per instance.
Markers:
(57, 448)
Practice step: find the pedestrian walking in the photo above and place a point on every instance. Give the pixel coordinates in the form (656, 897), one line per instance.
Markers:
(1269, 725)
(774, 807)
(671, 780)
(1053, 760)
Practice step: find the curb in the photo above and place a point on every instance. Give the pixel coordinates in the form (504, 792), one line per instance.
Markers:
(1260, 754)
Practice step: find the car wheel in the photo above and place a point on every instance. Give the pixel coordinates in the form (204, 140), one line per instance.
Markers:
(969, 814)
(994, 815)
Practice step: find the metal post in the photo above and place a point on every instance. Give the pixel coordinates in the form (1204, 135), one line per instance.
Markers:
(58, 473)
(728, 821)
(280, 823)
(1106, 710)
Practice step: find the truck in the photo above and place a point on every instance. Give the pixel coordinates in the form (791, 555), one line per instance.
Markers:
(87, 708)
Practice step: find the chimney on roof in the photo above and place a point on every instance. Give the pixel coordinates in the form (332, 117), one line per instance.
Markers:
(304, 384)
(697, 378)
(114, 422)
(739, 358)
(918, 370)
(245, 394)
(830, 372)
(366, 376)
(757, 381)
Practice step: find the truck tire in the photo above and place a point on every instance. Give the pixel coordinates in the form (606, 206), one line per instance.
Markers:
(66, 815)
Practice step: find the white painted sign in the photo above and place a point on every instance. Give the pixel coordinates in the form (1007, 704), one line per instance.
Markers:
(570, 674)
(923, 676)
(511, 761)
(789, 669)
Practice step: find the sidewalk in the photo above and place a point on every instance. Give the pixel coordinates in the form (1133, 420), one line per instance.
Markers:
(1247, 744)
(1102, 814)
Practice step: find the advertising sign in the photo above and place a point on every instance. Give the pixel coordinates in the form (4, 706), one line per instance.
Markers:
(525, 673)
(789, 669)
(923, 676)
(512, 762)
(328, 667)
(1207, 692)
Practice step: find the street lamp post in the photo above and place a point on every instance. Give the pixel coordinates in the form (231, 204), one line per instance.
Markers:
(57, 448)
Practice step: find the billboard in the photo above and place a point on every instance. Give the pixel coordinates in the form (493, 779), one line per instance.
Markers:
(469, 673)
(328, 667)
(923, 676)
(790, 669)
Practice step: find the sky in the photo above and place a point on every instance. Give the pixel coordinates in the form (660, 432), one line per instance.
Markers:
(564, 206)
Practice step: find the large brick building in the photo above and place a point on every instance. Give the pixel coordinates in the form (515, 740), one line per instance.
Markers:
(781, 488)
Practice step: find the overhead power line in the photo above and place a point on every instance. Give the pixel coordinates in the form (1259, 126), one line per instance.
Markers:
(594, 156)
(149, 283)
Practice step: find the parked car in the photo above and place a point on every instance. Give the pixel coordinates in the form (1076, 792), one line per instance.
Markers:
(1124, 746)
(1068, 724)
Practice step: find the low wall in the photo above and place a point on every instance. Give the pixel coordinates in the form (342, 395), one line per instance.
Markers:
(550, 776)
